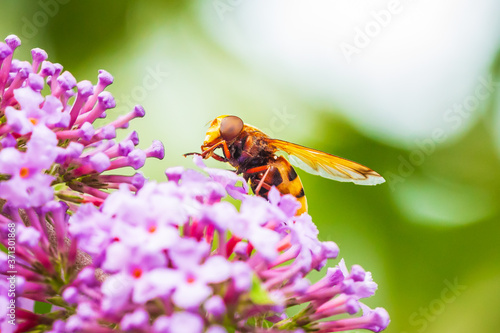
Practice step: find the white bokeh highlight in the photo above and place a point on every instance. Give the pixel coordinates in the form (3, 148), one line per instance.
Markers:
(400, 87)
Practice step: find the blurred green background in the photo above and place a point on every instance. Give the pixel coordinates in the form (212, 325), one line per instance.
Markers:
(408, 88)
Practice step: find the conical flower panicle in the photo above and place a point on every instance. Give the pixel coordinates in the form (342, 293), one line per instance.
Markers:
(49, 143)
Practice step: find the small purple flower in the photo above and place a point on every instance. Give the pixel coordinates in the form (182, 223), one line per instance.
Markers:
(228, 180)
(137, 320)
(185, 322)
(215, 306)
(155, 283)
(358, 282)
(216, 329)
(27, 185)
(194, 287)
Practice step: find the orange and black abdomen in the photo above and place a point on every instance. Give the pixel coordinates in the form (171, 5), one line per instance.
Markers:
(283, 176)
(250, 150)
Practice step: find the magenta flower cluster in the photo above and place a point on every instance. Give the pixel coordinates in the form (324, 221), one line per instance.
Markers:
(46, 140)
(119, 253)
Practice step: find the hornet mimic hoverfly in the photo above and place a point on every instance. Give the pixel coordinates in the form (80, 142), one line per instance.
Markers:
(253, 154)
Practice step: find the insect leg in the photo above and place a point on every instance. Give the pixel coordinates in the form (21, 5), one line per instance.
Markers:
(260, 169)
(189, 154)
(210, 151)
(215, 156)
(257, 190)
(227, 154)
(265, 185)
(219, 158)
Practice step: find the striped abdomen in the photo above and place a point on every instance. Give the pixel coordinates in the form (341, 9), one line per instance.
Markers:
(283, 176)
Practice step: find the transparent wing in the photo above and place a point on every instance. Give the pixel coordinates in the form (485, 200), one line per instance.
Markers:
(325, 165)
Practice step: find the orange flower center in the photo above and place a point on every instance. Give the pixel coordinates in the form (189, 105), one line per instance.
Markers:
(24, 172)
(33, 121)
(152, 228)
(136, 273)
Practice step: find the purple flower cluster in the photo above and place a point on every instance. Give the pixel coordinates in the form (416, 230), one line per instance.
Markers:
(41, 261)
(49, 141)
(154, 257)
(175, 254)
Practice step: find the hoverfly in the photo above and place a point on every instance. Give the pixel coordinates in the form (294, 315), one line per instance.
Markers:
(253, 154)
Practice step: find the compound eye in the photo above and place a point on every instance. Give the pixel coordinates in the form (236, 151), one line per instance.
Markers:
(230, 127)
